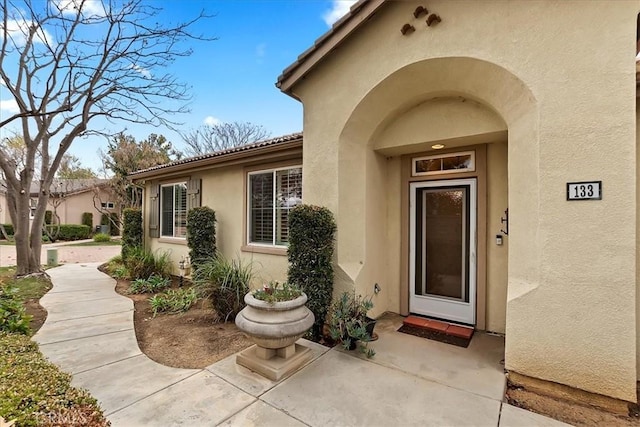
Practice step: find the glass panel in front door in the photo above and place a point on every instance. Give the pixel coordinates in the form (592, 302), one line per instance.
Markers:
(442, 243)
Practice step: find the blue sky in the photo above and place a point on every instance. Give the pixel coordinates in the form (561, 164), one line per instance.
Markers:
(233, 78)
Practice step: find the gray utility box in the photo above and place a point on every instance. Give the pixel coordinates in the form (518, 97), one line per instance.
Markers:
(52, 256)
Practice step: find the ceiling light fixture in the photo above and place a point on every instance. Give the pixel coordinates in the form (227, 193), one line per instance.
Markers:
(437, 146)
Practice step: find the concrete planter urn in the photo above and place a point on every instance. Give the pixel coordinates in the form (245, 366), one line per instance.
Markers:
(274, 327)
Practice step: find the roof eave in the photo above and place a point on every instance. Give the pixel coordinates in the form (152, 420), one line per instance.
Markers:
(359, 13)
(219, 160)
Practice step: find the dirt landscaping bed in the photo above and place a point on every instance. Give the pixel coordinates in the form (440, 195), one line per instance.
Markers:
(33, 308)
(194, 339)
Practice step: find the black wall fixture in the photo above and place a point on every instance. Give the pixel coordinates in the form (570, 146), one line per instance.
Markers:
(420, 10)
(407, 29)
(433, 19)
(505, 220)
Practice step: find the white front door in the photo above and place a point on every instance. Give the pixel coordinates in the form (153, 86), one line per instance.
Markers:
(442, 270)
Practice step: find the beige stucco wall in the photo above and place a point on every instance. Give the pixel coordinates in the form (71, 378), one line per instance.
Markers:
(638, 237)
(497, 256)
(72, 207)
(4, 213)
(223, 191)
(567, 97)
(455, 121)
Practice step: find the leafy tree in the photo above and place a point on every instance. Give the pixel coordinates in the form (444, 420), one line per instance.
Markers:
(125, 155)
(71, 168)
(209, 138)
(16, 150)
(66, 63)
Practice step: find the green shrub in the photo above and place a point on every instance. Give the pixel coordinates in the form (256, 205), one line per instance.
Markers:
(48, 217)
(225, 282)
(87, 219)
(201, 234)
(8, 228)
(147, 286)
(131, 231)
(142, 264)
(35, 392)
(310, 254)
(116, 269)
(104, 219)
(70, 231)
(13, 317)
(114, 223)
(101, 238)
(173, 301)
(120, 272)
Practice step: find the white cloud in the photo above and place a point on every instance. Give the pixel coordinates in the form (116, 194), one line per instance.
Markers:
(18, 31)
(89, 7)
(9, 105)
(211, 121)
(339, 8)
(145, 73)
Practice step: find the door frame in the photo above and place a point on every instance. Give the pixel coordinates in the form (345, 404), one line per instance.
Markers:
(481, 174)
(447, 309)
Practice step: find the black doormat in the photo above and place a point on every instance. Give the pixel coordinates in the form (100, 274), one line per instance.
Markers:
(436, 336)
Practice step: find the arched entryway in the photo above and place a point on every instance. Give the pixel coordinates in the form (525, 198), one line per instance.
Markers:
(468, 105)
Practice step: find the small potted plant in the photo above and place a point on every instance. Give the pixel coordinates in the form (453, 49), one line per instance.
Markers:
(349, 322)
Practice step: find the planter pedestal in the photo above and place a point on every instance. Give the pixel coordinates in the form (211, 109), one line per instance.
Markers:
(275, 328)
(274, 364)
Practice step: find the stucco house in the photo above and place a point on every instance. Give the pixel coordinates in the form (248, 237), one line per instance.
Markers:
(481, 160)
(251, 189)
(4, 213)
(70, 198)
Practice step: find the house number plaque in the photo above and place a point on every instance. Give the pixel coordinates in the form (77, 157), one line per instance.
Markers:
(589, 190)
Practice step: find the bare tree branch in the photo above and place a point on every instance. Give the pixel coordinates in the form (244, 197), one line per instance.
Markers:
(66, 66)
(210, 138)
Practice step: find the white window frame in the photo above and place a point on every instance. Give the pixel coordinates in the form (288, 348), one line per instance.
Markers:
(170, 184)
(33, 204)
(108, 205)
(471, 168)
(248, 203)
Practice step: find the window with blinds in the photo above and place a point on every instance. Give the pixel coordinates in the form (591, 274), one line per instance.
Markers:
(271, 195)
(173, 215)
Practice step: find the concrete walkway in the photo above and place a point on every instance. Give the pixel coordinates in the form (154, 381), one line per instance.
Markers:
(68, 252)
(89, 333)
